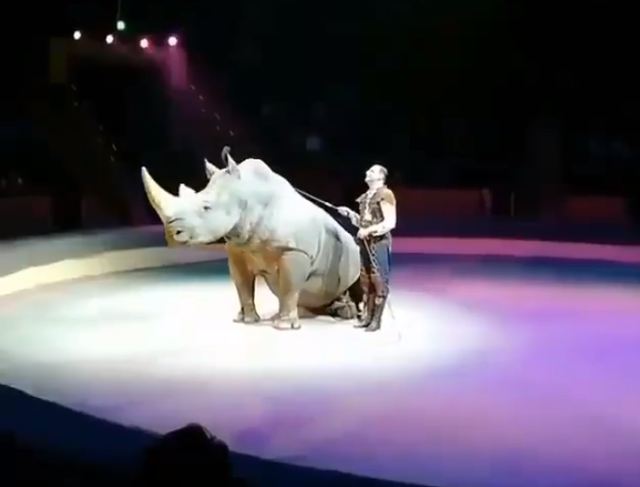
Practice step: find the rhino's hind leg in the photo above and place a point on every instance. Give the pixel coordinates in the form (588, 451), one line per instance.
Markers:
(345, 307)
(293, 270)
(245, 281)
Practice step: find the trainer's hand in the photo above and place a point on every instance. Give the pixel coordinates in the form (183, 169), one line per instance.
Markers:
(344, 211)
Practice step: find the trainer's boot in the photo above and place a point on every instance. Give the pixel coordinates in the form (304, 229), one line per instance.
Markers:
(366, 314)
(376, 318)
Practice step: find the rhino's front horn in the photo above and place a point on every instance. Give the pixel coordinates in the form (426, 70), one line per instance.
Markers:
(160, 199)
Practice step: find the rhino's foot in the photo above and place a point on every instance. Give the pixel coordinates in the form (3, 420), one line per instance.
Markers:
(247, 317)
(348, 312)
(286, 321)
(342, 308)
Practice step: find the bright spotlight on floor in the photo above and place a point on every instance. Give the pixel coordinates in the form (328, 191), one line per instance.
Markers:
(144, 43)
(77, 35)
(172, 41)
(109, 39)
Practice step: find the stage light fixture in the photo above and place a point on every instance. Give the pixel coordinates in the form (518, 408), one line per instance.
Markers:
(109, 39)
(144, 43)
(172, 41)
(77, 35)
(120, 25)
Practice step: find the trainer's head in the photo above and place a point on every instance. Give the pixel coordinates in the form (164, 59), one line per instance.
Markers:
(376, 175)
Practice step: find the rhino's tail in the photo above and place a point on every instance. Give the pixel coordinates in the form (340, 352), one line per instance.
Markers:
(354, 287)
(335, 278)
(356, 293)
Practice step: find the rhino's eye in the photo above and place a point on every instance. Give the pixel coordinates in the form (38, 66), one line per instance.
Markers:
(206, 208)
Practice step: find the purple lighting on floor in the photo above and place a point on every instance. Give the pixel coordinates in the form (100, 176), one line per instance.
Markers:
(506, 356)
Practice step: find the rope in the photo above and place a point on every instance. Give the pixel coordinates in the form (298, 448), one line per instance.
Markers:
(317, 200)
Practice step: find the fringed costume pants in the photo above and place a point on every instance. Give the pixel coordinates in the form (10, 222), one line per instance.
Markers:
(375, 256)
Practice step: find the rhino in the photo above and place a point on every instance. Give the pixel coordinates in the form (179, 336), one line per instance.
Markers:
(307, 259)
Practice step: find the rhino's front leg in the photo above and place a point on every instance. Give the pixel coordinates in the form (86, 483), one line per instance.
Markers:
(245, 281)
(293, 271)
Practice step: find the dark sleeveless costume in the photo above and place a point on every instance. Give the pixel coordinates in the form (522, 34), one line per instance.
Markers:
(375, 254)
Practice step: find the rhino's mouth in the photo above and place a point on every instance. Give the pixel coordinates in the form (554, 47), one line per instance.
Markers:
(232, 235)
(206, 243)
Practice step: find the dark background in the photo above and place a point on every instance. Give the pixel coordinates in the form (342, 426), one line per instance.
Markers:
(538, 98)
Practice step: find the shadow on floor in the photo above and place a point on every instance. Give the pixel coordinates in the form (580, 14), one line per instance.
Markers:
(83, 438)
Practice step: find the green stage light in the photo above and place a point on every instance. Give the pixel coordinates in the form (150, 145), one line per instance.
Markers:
(121, 25)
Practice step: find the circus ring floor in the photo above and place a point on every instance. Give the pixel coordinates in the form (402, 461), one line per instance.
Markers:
(502, 363)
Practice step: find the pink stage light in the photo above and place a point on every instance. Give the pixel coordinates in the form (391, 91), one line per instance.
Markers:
(172, 41)
(77, 35)
(144, 43)
(109, 39)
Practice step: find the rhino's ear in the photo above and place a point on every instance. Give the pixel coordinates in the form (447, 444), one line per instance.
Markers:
(225, 155)
(210, 169)
(232, 165)
(185, 190)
